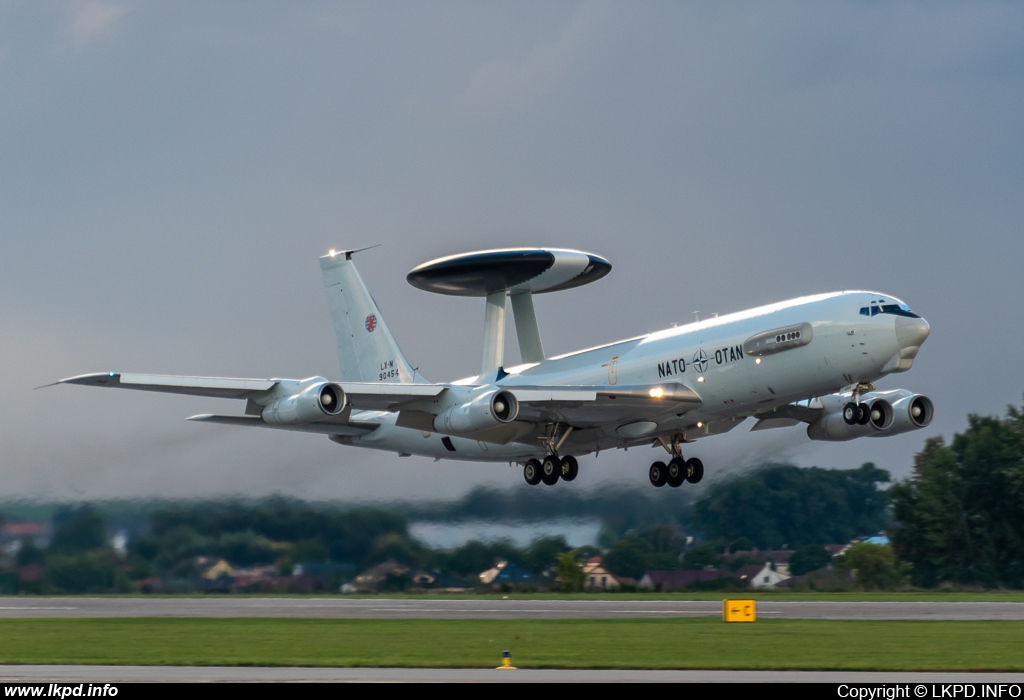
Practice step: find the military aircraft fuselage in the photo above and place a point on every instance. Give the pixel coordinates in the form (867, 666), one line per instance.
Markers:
(740, 365)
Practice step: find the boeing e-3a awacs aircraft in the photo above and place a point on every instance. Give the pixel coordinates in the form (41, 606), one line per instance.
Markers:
(809, 360)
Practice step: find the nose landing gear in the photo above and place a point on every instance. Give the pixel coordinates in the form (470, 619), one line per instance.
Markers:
(855, 412)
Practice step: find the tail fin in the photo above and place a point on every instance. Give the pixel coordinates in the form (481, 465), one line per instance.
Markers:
(367, 352)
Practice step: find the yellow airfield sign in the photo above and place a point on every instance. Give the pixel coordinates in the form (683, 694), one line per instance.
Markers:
(738, 611)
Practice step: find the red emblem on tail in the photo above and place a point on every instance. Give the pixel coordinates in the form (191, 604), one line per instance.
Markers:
(371, 323)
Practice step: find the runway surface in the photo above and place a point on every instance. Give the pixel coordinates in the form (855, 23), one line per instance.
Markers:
(192, 674)
(461, 609)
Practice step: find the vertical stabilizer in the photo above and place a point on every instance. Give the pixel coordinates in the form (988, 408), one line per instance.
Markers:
(367, 352)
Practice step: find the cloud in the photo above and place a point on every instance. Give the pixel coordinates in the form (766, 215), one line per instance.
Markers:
(516, 85)
(95, 19)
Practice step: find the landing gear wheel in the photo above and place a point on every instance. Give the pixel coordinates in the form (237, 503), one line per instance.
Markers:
(569, 468)
(549, 470)
(531, 472)
(658, 474)
(851, 413)
(865, 414)
(694, 470)
(676, 472)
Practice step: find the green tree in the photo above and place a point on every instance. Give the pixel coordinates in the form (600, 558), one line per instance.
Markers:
(393, 545)
(701, 556)
(960, 516)
(78, 530)
(873, 567)
(631, 556)
(544, 553)
(787, 505)
(95, 571)
(586, 552)
(808, 558)
(570, 574)
(667, 543)
(30, 554)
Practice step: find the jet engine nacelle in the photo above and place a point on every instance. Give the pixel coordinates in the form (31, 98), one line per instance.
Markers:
(911, 413)
(313, 403)
(487, 410)
(833, 428)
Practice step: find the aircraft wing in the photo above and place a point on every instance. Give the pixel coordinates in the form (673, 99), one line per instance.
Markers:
(362, 395)
(581, 406)
(586, 406)
(259, 392)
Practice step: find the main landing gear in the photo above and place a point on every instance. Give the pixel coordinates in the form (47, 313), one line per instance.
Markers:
(551, 470)
(676, 472)
(553, 467)
(678, 469)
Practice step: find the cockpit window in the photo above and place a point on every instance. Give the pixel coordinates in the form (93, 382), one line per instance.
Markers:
(883, 308)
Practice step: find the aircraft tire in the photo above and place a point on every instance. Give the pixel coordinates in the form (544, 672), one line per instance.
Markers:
(569, 468)
(694, 470)
(550, 470)
(865, 414)
(676, 472)
(657, 474)
(851, 413)
(531, 472)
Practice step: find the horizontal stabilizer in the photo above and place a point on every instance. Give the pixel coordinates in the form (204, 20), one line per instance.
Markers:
(352, 428)
(218, 387)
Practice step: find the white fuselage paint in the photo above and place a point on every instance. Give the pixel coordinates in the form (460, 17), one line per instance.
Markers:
(846, 347)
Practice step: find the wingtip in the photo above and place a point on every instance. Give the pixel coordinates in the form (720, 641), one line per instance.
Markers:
(96, 378)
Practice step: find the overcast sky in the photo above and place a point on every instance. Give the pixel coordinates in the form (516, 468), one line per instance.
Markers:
(170, 172)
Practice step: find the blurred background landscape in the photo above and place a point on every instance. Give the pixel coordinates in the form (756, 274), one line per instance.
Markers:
(957, 521)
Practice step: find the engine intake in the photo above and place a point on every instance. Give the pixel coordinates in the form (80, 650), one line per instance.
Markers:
(911, 413)
(833, 428)
(488, 410)
(308, 406)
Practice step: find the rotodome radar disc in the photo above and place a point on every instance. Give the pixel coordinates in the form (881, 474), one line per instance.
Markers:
(535, 270)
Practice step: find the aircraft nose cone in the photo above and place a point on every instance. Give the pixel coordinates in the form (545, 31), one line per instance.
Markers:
(911, 332)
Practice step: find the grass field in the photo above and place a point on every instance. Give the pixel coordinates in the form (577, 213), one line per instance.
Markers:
(676, 643)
